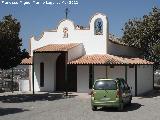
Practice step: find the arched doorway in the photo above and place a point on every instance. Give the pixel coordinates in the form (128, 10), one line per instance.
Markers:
(60, 75)
(60, 72)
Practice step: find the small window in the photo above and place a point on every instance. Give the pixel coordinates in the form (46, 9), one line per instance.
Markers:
(42, 74)
(98, 27)
(105, 85)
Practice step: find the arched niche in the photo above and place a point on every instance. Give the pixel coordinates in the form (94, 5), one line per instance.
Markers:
(66, 28)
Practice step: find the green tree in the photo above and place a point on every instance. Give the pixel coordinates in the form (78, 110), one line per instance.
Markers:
(11, 53)
(144, 33)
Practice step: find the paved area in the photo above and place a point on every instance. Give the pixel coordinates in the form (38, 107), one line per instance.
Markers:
(76, 107)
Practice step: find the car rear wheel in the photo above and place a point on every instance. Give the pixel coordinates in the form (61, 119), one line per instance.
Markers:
(121, 106)
(94, 108)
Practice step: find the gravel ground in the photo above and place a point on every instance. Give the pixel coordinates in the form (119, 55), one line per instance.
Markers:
(53, 107)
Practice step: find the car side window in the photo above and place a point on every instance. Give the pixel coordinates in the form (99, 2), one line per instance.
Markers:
(125, 85)
(122, 86)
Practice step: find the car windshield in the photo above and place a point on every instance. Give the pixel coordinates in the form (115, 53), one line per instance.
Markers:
(105, 85)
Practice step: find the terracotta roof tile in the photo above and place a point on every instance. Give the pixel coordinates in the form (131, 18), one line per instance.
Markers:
(137, 61)
(108, 59)
(118, 41)
(56, 47)
(27, 61)
(99, 59)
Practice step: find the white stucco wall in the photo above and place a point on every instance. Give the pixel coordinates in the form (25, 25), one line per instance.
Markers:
(76, 52)
(116, 49)
(24, 85)
(116, 72)
(93, 44)
(82, 78)
(144, 78)
(131, 78)
(49, 61)
(99, 71)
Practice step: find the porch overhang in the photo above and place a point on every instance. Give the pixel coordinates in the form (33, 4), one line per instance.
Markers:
(56, 48)
(106, 59)
(51, 48)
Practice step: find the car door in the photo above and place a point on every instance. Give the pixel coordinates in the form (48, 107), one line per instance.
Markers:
(127, 91)
(123, 91)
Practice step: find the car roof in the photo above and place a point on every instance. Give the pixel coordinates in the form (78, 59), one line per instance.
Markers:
(104, 79)
(109, 79)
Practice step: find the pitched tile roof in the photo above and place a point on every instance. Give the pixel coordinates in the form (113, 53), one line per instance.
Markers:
(118, 41)
(56, 47)
(108, 59)
(27, 61)
(99, 59)
(137, 61)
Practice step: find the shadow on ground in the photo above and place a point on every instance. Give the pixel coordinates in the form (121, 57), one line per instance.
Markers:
(6, 111)
(32, 98)
(151, 94)
(132, 107)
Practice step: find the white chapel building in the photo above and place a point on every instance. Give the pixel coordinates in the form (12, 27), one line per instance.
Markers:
(71, 57)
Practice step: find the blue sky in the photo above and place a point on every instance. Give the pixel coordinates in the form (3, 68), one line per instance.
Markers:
(35, 19)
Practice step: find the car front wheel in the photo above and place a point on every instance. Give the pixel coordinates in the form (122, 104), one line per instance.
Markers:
(94, 108)
(129, 103)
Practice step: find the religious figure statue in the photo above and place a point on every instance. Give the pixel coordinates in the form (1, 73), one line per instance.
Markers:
(98, 27)
(65, 32)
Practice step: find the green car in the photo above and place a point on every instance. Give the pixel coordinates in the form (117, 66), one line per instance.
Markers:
(110, 93)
